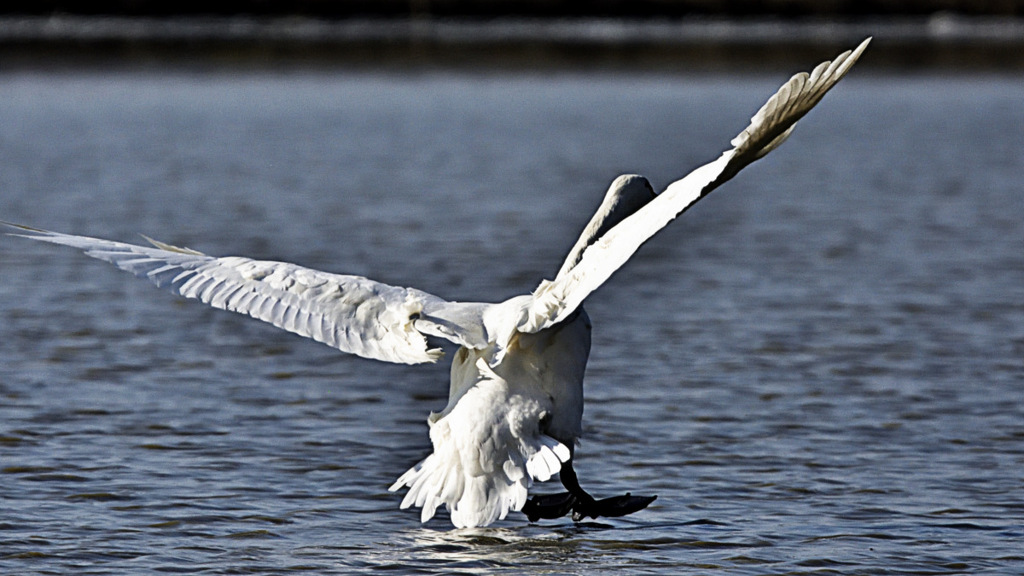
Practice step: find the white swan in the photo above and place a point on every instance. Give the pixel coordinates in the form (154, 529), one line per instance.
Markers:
(516, 402)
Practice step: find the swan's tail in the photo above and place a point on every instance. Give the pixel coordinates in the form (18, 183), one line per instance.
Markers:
(476, 495)
(484, 460)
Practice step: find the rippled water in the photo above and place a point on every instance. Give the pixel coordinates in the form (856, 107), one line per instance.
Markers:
(818, 370)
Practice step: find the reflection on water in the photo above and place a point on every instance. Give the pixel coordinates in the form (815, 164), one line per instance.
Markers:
(567, 549)
(818, 368)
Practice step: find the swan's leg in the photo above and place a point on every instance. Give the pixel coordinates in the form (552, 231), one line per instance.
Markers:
(580, 503)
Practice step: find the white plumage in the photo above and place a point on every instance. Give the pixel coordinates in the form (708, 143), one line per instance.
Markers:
(515, 405)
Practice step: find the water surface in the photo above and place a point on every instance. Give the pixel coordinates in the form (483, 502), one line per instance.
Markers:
(818, 369)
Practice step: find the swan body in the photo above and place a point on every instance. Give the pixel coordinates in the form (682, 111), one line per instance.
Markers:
(515, 404)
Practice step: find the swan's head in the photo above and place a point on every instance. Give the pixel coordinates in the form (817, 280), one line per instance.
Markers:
(627, 194)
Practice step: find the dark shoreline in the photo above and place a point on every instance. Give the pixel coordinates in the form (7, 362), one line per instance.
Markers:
(936, 42)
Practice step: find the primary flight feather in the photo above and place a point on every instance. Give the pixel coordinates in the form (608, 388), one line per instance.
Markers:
(515, 403)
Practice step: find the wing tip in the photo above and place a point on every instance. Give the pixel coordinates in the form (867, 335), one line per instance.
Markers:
(847, 59)
(862, 46)
(27, 231)
(794, 99)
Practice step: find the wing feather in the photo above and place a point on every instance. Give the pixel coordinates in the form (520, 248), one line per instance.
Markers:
(350, 313)
(554, 301)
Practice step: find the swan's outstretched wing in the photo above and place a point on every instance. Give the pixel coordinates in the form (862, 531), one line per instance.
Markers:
(350, 313)
(554, 301)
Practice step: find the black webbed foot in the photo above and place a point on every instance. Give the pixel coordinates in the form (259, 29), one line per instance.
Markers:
(548, 506)
(610, 507)
(581, 504)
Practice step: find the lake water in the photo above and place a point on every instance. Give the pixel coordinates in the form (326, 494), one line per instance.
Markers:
(817, 370)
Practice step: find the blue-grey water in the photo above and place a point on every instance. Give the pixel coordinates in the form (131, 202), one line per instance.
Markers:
(818, 370)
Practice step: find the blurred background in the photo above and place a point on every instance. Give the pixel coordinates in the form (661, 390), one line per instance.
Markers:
(647, 33)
